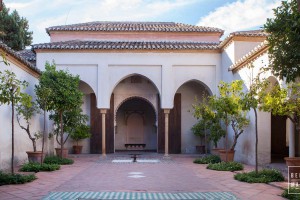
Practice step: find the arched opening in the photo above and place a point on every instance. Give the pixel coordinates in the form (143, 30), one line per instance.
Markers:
(136, 124)
(189, 92)
(279, 138)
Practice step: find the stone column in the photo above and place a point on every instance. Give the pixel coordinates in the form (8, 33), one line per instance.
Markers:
(290, 131)
(167, 112)
(103, 112)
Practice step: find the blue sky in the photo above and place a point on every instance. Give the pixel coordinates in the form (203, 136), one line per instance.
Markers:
(230, 15)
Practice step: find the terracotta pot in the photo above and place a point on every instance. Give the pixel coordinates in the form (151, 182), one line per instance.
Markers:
(292, 161)
(215, 151)
(65, 152)
(77, 149)
(230, 155)
(34, 156)
(200, 149)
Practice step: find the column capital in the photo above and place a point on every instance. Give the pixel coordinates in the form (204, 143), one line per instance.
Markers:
(103, 111)
(167, 111)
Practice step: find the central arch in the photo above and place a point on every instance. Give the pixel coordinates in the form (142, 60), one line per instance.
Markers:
(136, 124)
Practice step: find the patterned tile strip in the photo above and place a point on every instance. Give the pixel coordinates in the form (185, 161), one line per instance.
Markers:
(139, 195)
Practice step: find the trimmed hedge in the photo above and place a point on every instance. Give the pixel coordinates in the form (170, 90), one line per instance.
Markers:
(285, 194)
(226, 166)
(208, 159)
(263, 176)
(36, 167)
(8, 178)
(57, 160)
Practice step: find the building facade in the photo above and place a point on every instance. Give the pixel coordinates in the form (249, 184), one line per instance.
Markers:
(140, 80)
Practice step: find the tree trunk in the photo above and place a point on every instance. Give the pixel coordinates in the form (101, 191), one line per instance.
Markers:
(34, 145)
(256, 142)
(226, 139)
(44, 132)
(61, 135)
(12, 135)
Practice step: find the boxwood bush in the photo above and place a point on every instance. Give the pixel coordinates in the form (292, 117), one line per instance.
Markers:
(36, 167)
(8, 178)
(208, 159)
(225, 166)
(294, 196)
(263, 176)
(57, 160)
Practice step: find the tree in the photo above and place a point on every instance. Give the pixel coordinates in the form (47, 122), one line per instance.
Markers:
(64, 94)
(26, 109)
(283, 102)
(207, 121)
(14, 30)
(228, 107)
(11, 94)
(43, 95)
(284, 39)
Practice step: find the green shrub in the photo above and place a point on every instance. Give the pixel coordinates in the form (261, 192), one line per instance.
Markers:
(8, 178)
(263, 176)
(285, 194)
(225, 166)
(57, 160)
(208, 159)
(36, 167)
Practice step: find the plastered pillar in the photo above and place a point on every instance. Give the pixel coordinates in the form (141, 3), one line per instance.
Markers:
(167, 112)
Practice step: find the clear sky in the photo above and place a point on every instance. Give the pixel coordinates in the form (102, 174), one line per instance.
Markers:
(229, 15)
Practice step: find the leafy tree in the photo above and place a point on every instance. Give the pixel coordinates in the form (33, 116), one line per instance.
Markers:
(283, 102)
(11, 94)
(72, 119)
(228, 107)
(284, 39)
(208, 121)
(81, 132)
(64, 94)
(43, 95)
(14, 30)
(26, 109)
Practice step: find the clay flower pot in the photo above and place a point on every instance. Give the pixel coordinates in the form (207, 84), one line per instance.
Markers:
(65, 152)
(230, 155)
(34, 156)
(77, 149)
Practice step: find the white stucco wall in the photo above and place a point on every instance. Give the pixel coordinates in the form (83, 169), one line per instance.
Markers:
(22, 141)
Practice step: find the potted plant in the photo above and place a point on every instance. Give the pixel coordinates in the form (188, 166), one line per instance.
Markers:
(199, 130)
(238, 123)
(81, 132)
(216, 132)
(71, 120)
(25, 111)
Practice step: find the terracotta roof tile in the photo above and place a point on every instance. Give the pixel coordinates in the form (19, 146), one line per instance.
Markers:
(18, 56)
(128, 45)
(28, 54)
(134, 27)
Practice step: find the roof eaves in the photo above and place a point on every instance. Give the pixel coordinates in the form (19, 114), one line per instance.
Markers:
(251, 56)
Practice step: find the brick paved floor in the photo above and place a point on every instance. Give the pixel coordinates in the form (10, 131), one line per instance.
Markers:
(90, 173)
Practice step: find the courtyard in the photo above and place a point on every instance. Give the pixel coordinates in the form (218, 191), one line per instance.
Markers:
(152, 177)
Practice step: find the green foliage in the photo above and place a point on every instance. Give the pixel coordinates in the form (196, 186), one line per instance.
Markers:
(81, 132)
(8, 178)
(208, 159)
(57, 160)
(263, 176)
(37, 167)
(226, 166)
(295, 196)
(283, 40)
(63, 94)
(283, 101)
(14, 30)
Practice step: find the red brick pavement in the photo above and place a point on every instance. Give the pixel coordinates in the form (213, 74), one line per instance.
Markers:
(178, 175)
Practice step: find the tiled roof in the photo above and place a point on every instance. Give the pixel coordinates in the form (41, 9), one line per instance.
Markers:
(252, 33)
(256, 52)
(134, 27)
(128, 45)
(28, 54)
(18, 56)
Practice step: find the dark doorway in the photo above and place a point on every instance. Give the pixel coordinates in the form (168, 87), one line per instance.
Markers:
(279, 146)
